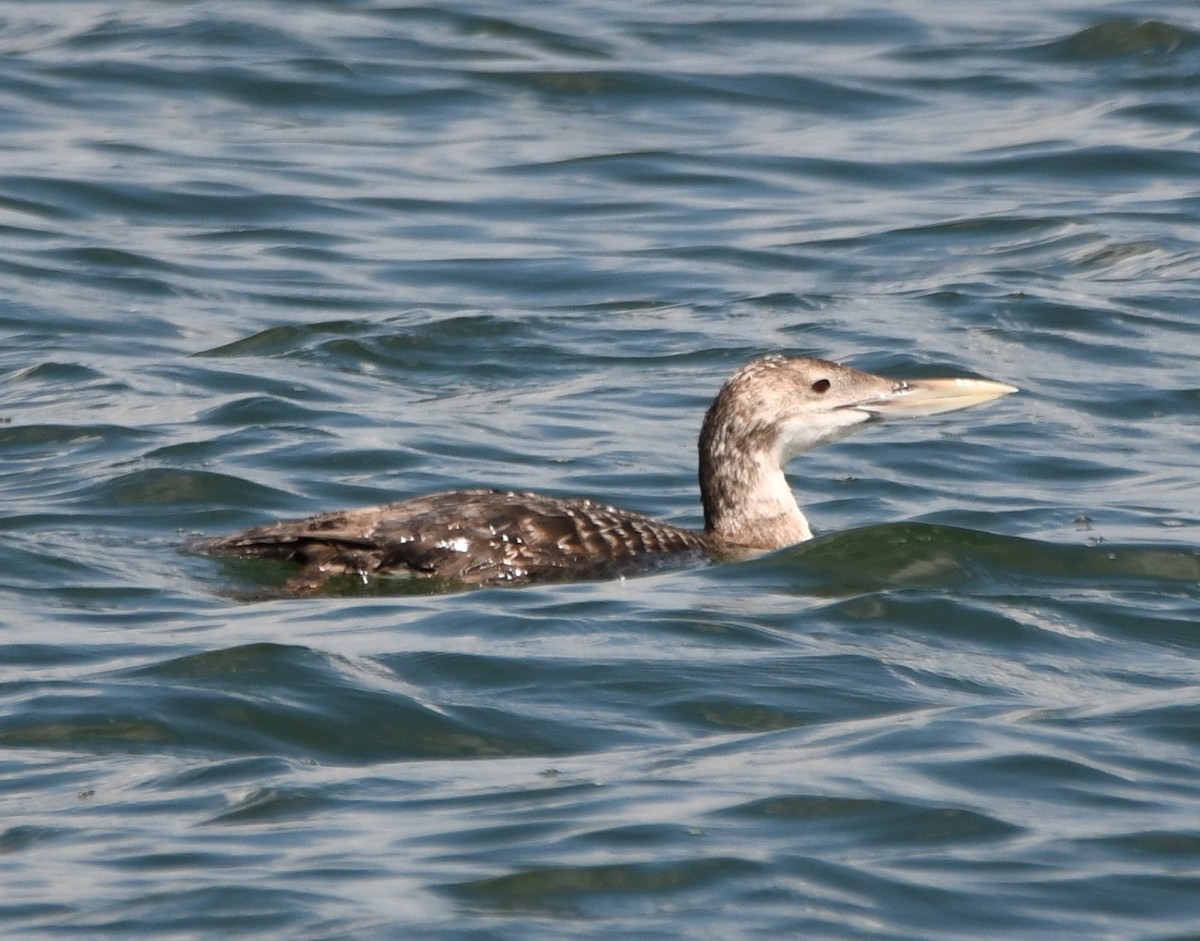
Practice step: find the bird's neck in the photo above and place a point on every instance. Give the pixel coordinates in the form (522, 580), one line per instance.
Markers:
(748, 503)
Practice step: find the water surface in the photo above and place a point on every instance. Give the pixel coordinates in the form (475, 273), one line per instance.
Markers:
(272, 259)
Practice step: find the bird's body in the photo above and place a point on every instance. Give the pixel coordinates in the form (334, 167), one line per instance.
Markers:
(769, 411)
(473, 537)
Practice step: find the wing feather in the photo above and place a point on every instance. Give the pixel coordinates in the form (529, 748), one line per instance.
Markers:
(477, 537)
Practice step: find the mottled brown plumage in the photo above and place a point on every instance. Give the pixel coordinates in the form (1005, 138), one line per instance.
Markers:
(474, 537)
(767, 412)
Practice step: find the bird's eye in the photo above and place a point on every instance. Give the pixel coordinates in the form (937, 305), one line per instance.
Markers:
(821, 386)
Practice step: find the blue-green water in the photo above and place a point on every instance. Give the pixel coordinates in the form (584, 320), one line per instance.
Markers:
(269, 259)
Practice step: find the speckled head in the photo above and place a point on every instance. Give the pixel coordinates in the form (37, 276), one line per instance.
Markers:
(774, 408)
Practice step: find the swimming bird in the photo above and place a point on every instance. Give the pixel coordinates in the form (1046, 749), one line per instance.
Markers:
(769, 411)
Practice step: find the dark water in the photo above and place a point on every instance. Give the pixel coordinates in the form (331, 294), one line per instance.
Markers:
(267, 259)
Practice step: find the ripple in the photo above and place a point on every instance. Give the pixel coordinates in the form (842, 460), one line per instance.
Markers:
(876, 821)
(583, 891)
(1119, 37)
(165, 486)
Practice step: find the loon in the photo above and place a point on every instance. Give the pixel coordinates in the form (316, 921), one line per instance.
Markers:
(769, 411)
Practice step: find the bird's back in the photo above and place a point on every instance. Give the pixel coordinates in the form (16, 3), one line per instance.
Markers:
(471, 537)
